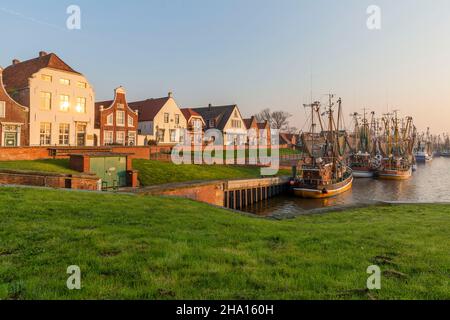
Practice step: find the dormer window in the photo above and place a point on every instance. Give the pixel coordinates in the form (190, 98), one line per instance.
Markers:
(212, 123)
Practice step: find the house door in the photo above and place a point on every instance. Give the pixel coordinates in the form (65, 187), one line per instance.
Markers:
(10, 139)
(81, 135)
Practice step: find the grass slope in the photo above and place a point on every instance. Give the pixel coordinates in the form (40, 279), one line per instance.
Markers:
(50, 165)
(131, 247)
(155, 172)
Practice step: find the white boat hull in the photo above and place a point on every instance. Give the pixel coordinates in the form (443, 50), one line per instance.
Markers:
(363, 174)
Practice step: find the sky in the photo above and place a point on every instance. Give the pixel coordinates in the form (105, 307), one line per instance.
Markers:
(254, 53)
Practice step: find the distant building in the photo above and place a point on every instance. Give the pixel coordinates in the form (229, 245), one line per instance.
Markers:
(60, 100)
(262, 130)
(160, 120)
(13, 120)
(195, 125)
(289, 140)
(116, 121)
(228, 120)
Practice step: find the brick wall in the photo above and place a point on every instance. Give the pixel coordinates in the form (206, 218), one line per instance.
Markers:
(80, 182)
(24, 153)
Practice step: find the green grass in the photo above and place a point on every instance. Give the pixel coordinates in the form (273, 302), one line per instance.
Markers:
(156, 172)
(131, 247)
(50, 165)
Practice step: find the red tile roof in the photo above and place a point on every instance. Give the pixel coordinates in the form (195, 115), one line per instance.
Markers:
(188, 113)
(149, 108)
(16, 76)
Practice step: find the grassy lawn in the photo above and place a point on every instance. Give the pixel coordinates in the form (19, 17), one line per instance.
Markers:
(156, 172)
(131, 247)
(57, 166)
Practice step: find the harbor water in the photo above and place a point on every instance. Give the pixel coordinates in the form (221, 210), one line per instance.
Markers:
(430, 183)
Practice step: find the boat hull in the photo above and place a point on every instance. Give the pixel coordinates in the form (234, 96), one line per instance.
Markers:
(362, 174)
(326, 192)
(395, 174)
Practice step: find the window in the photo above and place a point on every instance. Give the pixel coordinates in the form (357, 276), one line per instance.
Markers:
(120, 118)
(197, 124)
(130, 121)
(120, 106)
(236, 114)
(108, 137)
(46, 78)
(46, 101)
(212, 123)
(46, 134)
(131, 138)
(2, 109)
(64, 82)
(64, 103)
(81, 85)
(177, 119)
(236, 123)
(160, 135)
(166, 118)
(81, 105)
(120, 137)
(173, 135)
(64, 129)
(110, 120)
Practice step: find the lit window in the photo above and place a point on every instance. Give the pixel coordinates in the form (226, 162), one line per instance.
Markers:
(2, 109)
(173, 136)
(64, 82)
(64, 103)
(110, 120)
(120, 137)
(45, 134)
(81, 85)
(120, 118)
(160, 135)
(177, 119)
(108, 137)
(131, 138)
(46, 101)
(64, 130)
(81, 105)
(130, 121)
(166, 118)
(46, 78)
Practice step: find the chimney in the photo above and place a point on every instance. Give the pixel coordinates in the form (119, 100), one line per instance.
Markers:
(170, 94)
(15, 61)
(42, 54)
(210, 106)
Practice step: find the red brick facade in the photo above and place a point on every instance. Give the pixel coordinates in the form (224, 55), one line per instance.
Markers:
(14, 120)
(117, 122)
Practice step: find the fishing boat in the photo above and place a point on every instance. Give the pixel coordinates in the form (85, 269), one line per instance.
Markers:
(445, 151)
(424, 152)
(398, 162)
(322, 173)
(363, 160)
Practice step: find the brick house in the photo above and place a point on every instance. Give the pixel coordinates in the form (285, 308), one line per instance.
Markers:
(160, 120)
(228, 120)
(262, 137)
(60, 100)
(13, 120)
(195, 124)
(116, 121)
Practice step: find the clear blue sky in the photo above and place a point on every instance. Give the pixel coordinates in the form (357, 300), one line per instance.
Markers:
(256, 53)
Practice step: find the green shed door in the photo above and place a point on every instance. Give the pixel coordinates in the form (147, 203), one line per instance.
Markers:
(112, 170)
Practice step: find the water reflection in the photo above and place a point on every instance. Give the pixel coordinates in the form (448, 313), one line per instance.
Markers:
(430, 183)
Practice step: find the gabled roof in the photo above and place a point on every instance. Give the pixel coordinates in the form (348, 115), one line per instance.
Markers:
(220, 114)
(148, 109)
(188, 113)
(249, 123)
(16, 76)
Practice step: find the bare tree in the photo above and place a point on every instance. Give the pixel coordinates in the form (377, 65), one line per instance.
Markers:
(277, 119)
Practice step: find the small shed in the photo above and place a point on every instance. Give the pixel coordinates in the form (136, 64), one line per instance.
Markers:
(114, 169)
